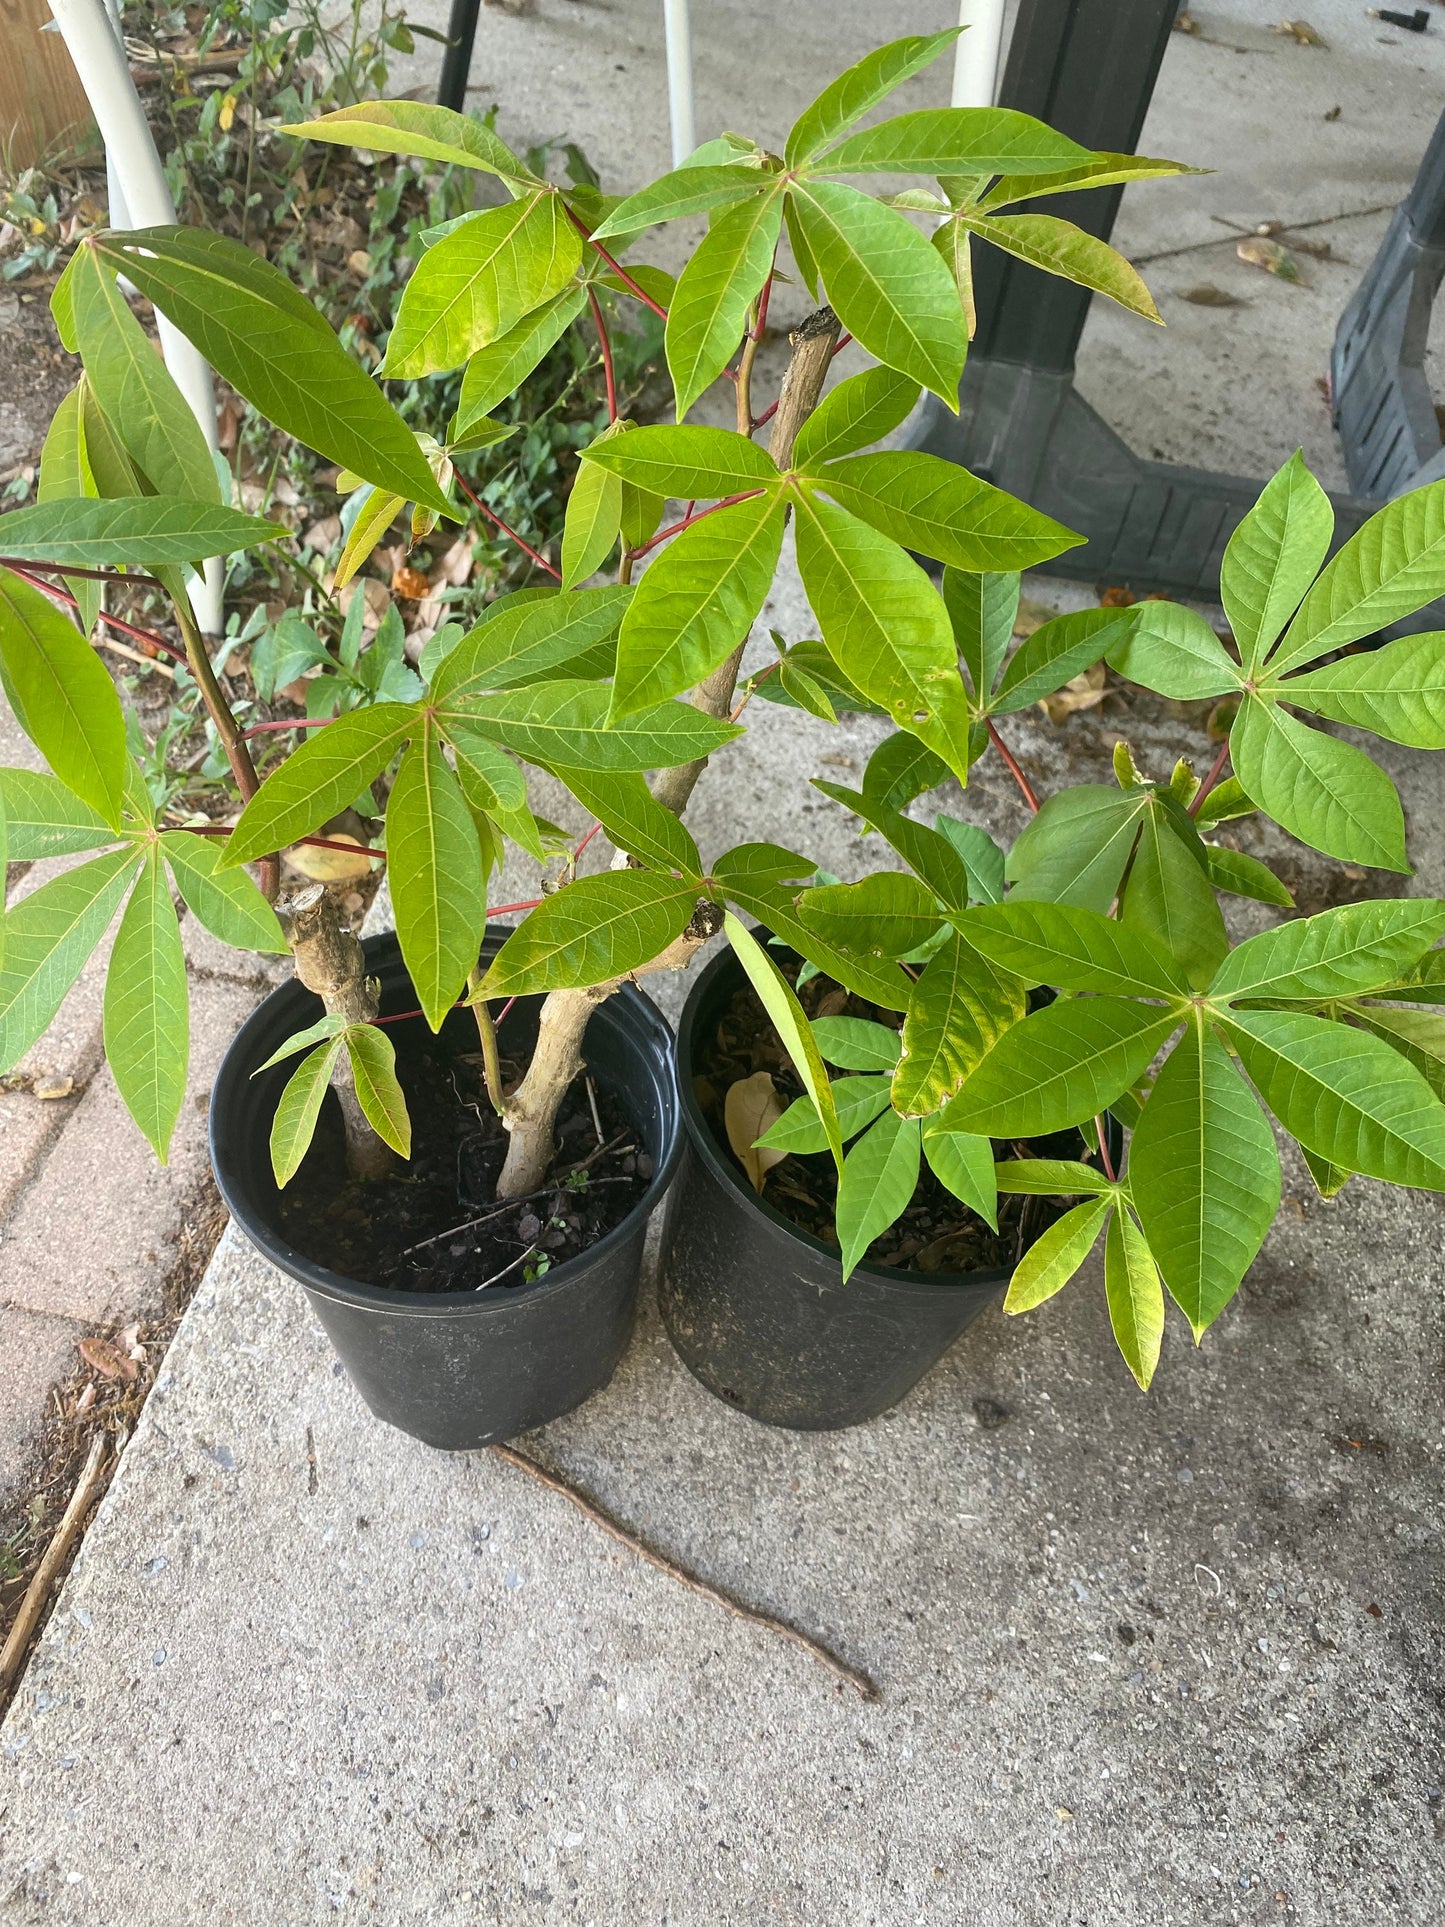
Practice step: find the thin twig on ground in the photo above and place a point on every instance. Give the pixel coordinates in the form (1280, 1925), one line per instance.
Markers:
(37, 1593)
(862, 1685)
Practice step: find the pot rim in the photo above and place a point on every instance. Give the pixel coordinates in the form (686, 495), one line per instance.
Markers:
(700, 1136)
(235, 1071)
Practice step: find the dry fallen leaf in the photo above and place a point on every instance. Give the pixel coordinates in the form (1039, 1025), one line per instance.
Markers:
(1117, 598)
(1206, 295)
(752, 1107)
(410, 583)
(1031, 616)
(52, 1086)
(107, 1359)
(332, 866)
(1184, 22)
(1270, 256)
(1302, 33)
(1084, 692)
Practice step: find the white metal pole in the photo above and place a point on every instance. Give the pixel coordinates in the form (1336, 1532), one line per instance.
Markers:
(677, 26)
(131, 154)
(975, 58)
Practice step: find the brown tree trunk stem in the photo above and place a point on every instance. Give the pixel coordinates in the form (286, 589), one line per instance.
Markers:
(531, 1113)
(330, 961)
(232, 737)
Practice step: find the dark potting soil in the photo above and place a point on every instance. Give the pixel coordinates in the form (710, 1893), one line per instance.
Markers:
(936, 1233)
(437, 1226)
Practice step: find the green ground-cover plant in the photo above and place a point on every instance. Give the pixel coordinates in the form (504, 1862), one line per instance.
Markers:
(1108, 899)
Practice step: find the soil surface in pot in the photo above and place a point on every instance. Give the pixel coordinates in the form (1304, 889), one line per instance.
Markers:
(936, 1233)
(438, 1226)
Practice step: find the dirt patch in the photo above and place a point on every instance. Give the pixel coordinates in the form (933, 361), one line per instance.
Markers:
(440, 1228)
(38, 375)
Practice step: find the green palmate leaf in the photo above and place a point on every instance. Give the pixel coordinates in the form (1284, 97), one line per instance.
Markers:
(794, 1031)
(415, 127)
(886, 915)
(479, 281)
(811, 680)
(1051, 1178)
(1273, 557)
(687, 190)
(1173, 651)
(1245, 876)
(881, 983)
(271, 343)
(112, 473)
(227, 902)
(495, 789)
(929, 854)
(294, 1124)
(590, 932)
(1136, 1302)
(1169, 895)
(434, 865)
(957, 140)
(689, 462)
(65, 471)
(964, 1166)
(761, 865)
(848, 98)
(1387, 569)
(48, 937)
(983, 607)
(939, 509)
(1057, 652)
(1346, 952)
(854, 1044)
(857, 1101)
(636, 823)
(1418, 1035)
(879, 1177)
(900, 769)
(885, 627)
(1072, 949)
(1075, 849)
(857, 413)
(1423, 984)
(62, 696)
(1059, 1066)
(131, 383)
(1398, 691)
(1225, 801)
(714, 292)
(320, 779)
(498, 370)
(1204, 1176)
(331, 1025)
(528, 638)
(373, 1075)
(147, 533)
(802, 253)
(45, 818)
(697, 602)
(1051, 1261)
(594, 520)
(567, 724)
(642, 513)
(982, 857)
(1329, 1179)
(1327, 793)
(1060, 248)
(961, 1005)
(147, 1008)
(886, 284)
(1346, 1095)
(1099, 170)
(954, 243)
(375, 516)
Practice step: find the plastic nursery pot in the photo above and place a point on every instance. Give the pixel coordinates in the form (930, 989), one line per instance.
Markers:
(460, 1370)
(757, 1308)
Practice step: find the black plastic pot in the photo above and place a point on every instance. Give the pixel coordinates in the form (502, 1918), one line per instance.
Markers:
(460, 1370)
(758, 1309)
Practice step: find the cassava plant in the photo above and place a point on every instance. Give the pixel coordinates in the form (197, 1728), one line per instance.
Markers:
(603, 684)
